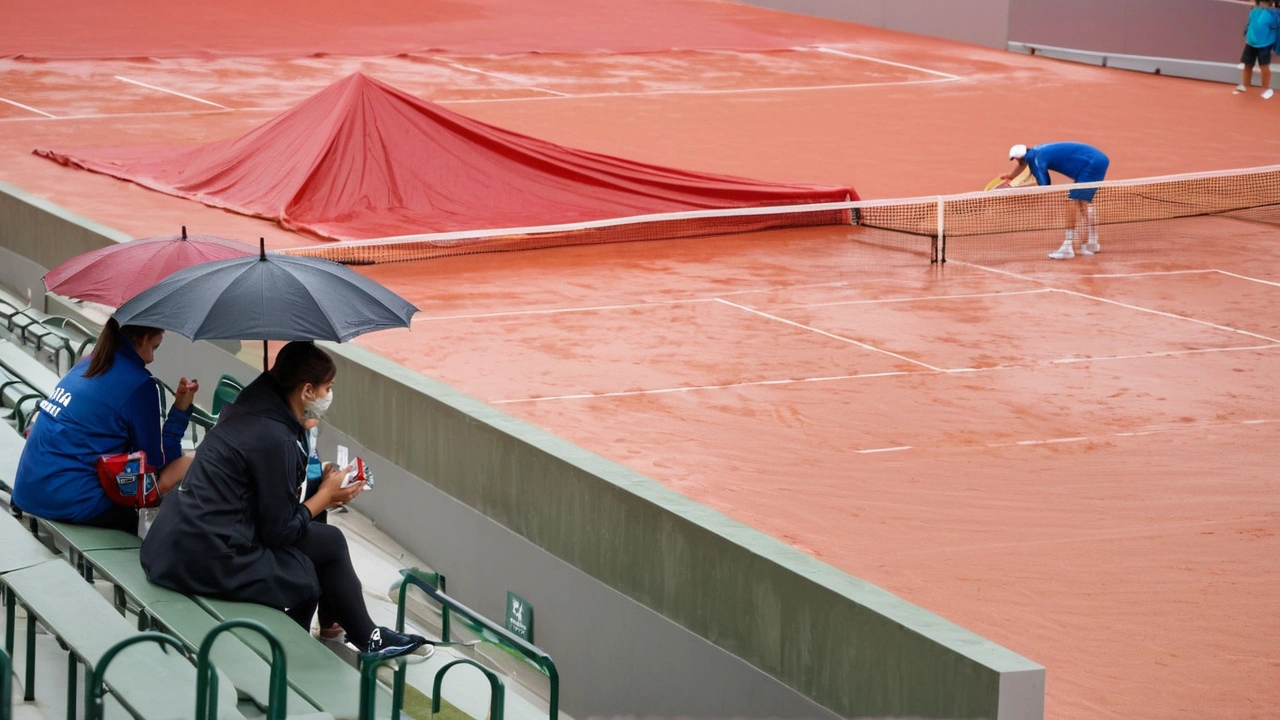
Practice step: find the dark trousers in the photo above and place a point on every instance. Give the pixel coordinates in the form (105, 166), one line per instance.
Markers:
(341, 599)
(116, 517)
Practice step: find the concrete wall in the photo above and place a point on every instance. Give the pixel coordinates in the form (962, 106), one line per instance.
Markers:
(1207, 30)
(982, 22)
(39, 232)
(652, 604)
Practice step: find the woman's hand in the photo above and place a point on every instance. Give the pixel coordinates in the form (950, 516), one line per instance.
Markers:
(185, 394)
(331, 493)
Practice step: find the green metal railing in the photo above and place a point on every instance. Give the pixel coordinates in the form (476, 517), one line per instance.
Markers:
(6, 686)
(496, 695)
(207, 676)
(94, 705)
(433, 585)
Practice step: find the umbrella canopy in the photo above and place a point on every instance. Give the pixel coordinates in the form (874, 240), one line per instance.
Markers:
(268, 297)
(113, 275)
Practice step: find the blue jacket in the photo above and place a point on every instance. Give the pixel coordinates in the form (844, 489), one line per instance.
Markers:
(1068, 158)
(86, 418)
(1263, 27)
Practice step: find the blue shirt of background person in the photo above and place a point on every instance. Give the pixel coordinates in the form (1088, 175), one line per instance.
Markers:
(1069, 158)
(114, 411)
(1263, 28)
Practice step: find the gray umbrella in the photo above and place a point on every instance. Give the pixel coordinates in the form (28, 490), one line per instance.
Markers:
(267, 297)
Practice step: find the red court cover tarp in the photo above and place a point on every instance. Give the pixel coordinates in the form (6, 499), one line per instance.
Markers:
(362, 160)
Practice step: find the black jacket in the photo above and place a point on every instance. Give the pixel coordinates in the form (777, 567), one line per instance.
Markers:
(231, 528)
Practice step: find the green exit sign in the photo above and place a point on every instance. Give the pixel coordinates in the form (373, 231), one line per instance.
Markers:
(519, 617)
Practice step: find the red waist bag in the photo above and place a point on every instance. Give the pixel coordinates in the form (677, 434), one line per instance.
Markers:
(128, 480)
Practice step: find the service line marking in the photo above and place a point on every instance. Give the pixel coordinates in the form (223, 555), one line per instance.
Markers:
(501, 76)
(833, 336)
(885, 449)
(561, 311)
(729, 91)
(1250, 279)
(1162, 313)
(896, 373)
(139, 83)
(28, 108)
(925, 298)
(1153, 273)
(1162, 353)
(882, 61)
(692, 388)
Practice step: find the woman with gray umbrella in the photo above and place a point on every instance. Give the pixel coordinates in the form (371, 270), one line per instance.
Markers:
(237, 527)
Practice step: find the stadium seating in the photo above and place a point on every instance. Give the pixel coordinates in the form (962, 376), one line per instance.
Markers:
(321, 684)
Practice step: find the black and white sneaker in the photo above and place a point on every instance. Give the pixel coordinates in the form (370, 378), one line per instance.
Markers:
(386, 643)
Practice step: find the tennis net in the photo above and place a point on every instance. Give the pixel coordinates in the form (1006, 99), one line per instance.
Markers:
(1011, 222)
(1015, 221)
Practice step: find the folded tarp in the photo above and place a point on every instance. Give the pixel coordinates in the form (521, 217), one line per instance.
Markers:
(362, 160)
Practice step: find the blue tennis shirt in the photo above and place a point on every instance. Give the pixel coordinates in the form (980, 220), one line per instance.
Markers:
(1069, 158)
(84, 419)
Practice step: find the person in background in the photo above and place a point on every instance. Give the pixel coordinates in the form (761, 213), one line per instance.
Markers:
(240, 527)
(107, 404)
(1078, 161)
(1261, 34)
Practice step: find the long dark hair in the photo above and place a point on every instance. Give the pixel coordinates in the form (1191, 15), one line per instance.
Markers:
(299, 363)
(104, 351)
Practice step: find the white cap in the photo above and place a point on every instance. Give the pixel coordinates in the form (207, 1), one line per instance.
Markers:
(1017, 152)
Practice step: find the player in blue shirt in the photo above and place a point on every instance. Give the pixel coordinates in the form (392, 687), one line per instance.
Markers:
(109, 403)
(1083, 164)
(1261, 33)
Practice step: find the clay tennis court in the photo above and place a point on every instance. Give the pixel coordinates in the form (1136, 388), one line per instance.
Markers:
(1075, 460)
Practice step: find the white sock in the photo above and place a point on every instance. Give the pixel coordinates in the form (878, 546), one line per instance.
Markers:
(1070, 238)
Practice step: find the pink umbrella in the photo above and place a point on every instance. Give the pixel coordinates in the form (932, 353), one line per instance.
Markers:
(113, 275)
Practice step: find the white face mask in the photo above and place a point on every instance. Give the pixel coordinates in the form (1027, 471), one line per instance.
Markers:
(318, 407)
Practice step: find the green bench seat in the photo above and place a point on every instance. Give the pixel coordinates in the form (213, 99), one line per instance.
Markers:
(81, 539)
(319, 675)
(20, 548)
(147, 681)
(11, 444)
(188, 621)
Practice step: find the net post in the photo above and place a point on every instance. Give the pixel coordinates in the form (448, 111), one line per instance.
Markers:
(940, 240)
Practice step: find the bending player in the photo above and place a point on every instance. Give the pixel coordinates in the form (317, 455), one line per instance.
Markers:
(1083, 164)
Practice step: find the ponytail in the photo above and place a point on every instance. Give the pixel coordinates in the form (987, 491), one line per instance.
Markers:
(104, 350)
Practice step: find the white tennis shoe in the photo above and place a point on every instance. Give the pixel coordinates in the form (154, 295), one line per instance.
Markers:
(1090, 249)
(1063, 253)
(1266, 94)
(1239, 89)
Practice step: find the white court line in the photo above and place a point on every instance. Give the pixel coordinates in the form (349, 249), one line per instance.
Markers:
(26, 107)
(735, 91)
(1051, 441)
(1166, 314)
(655, 303)
(1173, 427)
(692, 388)
(1167, 353)
(884, 449)
(1006, 273)
(560, 311)
(501, 76)
(113, 116)
(924, 298)
(830, 335)
(1250, 279)
(1148, 274)
(896, 373)
(171, 92)
(939, 73)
